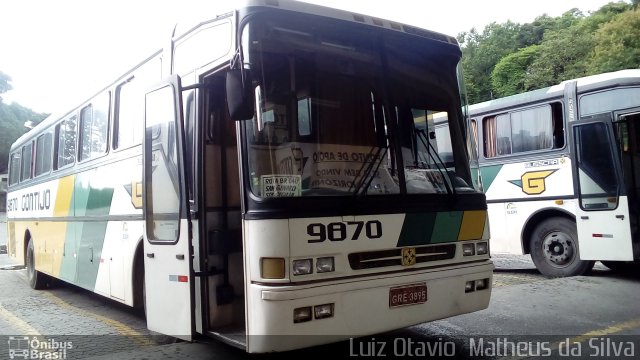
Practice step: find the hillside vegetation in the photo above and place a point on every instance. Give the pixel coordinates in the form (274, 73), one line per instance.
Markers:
(509, 58)
(12, 119)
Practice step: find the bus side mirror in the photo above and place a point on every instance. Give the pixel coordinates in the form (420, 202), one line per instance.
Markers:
(240, 94)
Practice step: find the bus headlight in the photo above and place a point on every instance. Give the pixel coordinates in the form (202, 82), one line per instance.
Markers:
(482, 248)
(468, 249)
(470, 286)
(302, 267)
(482, 284)
(325, 264)
(323, 311)
(302, 314)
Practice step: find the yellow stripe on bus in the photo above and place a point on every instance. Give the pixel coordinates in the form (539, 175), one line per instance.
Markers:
(473, 223)
(64, 195)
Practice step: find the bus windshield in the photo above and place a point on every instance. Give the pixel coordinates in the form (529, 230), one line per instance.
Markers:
(340, 113)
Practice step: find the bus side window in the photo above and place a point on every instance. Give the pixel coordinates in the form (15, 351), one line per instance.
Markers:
(129, 114)
(519, 131)
(14, 168)
(558, 125)
(43, 154)
(94, 127)
(27, 162)
(65, 153)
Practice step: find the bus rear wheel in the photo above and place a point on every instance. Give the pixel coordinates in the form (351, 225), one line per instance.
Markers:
(554, 249)
(37, 280)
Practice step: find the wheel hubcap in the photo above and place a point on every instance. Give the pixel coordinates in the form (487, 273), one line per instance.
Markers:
(558, 249)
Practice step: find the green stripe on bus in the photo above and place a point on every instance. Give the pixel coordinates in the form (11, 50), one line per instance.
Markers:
(489, 174)
(447, 227)
(84, 240)
(416, 229)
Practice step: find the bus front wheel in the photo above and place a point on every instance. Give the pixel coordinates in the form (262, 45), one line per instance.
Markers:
(554, 249)
(37, 280)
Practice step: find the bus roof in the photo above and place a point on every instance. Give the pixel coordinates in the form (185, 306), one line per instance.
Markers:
(309, 8)
(587, 83)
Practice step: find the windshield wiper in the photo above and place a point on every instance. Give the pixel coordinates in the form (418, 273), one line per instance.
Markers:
(365, 178)
(433, 154)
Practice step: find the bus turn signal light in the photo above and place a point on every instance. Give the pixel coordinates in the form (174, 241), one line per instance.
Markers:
(272, 268)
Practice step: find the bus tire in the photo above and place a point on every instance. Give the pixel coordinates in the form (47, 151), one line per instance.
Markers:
(37, 280)
(554, 249)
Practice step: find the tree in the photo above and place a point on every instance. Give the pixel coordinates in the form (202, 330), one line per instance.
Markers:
(605, 14)
(508, 76)
(617, 44)
(562, 55)
(12, 119)
(533, 33)
(480, 54)
(500, 60)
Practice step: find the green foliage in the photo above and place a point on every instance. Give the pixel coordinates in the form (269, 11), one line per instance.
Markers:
(617, 44)
(480, 54)
(507, 77)
(561, 56)
(509, 58)
(12, 119)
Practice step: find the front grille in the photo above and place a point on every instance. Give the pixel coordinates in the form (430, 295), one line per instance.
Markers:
(393, 257)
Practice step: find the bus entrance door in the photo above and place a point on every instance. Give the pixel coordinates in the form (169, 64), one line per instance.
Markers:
(167, 246)
(602, 214)
(627, 127)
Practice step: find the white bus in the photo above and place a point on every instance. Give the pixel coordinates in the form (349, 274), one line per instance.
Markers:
(561, 170)
(275, 183)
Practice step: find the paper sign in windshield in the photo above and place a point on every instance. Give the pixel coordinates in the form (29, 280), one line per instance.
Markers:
(281, 185)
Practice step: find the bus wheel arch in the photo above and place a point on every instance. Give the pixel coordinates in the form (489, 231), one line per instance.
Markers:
(138, 277)
(27, 239)
(555, 250)
(536, 219)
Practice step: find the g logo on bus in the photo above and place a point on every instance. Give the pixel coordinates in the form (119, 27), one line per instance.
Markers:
(533, 182)
(408, 256)
(135, 191)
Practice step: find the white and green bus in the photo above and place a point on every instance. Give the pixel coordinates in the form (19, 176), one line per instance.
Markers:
(561, 170)
(266, 175)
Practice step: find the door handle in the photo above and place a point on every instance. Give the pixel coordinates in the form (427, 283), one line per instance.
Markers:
(621, 217)
(584, 217)
(151, 255)
(180, 256)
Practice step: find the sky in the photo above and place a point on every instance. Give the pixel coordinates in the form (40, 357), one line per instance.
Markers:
(60, 52)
